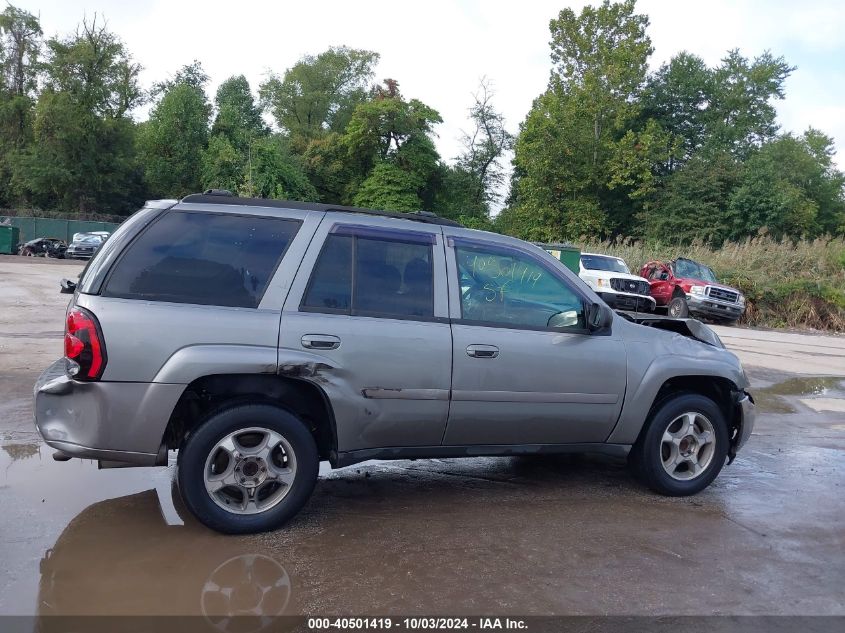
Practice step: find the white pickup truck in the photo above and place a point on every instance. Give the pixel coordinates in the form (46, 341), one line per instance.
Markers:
(611, 279)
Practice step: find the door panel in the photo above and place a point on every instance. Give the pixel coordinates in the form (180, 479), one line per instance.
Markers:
(388, 379)
(373, 320)
(544, 385)
(661, 289)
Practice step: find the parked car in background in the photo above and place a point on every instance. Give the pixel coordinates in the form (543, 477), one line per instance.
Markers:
(84, 245)
(43, 247)
(685, 287)
(103, 234)
(259, 337)
(611, 279)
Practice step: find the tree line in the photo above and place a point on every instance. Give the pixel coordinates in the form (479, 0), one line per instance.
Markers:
(608, 149)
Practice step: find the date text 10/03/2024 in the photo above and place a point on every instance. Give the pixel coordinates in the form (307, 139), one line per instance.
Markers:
(416, 623)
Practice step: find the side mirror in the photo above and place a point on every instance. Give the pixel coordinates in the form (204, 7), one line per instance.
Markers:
(68, 287)
(664, 276)
(599, 316)
(569, 318)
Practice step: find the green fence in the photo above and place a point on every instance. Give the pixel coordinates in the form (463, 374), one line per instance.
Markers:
(31, 228)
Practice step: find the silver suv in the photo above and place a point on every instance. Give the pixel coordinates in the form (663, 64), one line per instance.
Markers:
(259, 337)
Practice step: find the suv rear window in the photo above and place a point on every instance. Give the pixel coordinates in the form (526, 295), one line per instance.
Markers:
(203, 259)
(391, 278)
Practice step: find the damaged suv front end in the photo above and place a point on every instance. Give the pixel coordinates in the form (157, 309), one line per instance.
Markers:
(695, 340)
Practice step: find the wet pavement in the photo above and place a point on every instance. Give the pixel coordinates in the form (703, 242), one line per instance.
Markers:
(533, 535)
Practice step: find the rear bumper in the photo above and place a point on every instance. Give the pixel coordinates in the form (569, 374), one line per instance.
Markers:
(714, 308)
(114, 421)
(628, 301)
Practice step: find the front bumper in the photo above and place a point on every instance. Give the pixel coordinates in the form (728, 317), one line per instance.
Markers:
(745, 417)
(627, 301)
(79, 254)
(112, 421)
(715, 308)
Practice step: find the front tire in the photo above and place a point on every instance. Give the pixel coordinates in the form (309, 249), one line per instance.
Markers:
(248, 468)
(678, 308)
(683, 447)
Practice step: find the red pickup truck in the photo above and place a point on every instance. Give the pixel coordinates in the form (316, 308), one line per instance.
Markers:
(684, 287)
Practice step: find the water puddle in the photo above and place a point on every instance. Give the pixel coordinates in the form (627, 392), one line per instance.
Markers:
(776, 398)
(130, 554)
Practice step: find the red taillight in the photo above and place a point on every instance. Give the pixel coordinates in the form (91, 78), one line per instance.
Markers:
(84, 344)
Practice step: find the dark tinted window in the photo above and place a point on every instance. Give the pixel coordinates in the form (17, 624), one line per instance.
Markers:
(203, 258)
(331, 282)
(391, 278)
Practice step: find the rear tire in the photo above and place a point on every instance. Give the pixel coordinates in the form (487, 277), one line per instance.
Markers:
(678, 308)
(683, 447)
(248, 468)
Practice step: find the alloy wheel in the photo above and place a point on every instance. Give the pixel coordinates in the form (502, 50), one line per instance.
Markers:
(687, 446)
(250, 470)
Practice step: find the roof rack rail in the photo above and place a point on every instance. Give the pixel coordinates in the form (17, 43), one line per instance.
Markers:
(222, 196)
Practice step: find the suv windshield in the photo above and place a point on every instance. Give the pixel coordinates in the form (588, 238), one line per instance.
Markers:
(89, 239)
(601, 262)
(693, 270)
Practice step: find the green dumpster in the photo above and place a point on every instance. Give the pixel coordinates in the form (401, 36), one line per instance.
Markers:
(9, 236)
(569, 255)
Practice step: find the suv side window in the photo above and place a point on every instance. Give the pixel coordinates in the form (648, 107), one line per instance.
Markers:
(372, 276)
(506, 287)
(202, 258)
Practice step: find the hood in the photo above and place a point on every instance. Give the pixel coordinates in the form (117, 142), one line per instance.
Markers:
(690, 328)
(607, 274)
(702, 282)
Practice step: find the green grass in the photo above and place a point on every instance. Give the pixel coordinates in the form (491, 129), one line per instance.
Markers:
(800, 284)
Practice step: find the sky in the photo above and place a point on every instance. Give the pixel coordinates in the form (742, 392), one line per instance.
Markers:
(439, 51)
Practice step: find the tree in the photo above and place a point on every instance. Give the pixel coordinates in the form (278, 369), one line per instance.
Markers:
(477, 179)
(96, 69)
(791, 189)
(274, 172)
(238, 118)
(191, 74)
(601, 56)
(635, 165)
(319, 93)
(223, 166)
(20, 46)
(237, 125)
(677, 97)
(390, 188)
(741, 116)
(389, 129)
(172, 142)
(82, 153)
(329, 168)
(694, 203)
(571, 133)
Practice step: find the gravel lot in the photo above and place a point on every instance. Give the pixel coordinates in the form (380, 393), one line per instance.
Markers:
(550, 535)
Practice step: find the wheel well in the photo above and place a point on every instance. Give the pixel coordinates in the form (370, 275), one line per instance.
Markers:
(301, 397)
(719, 390)
(678, 292)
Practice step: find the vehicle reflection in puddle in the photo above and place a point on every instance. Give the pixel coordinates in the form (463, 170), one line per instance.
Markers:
(118, 557)
(131, 554)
